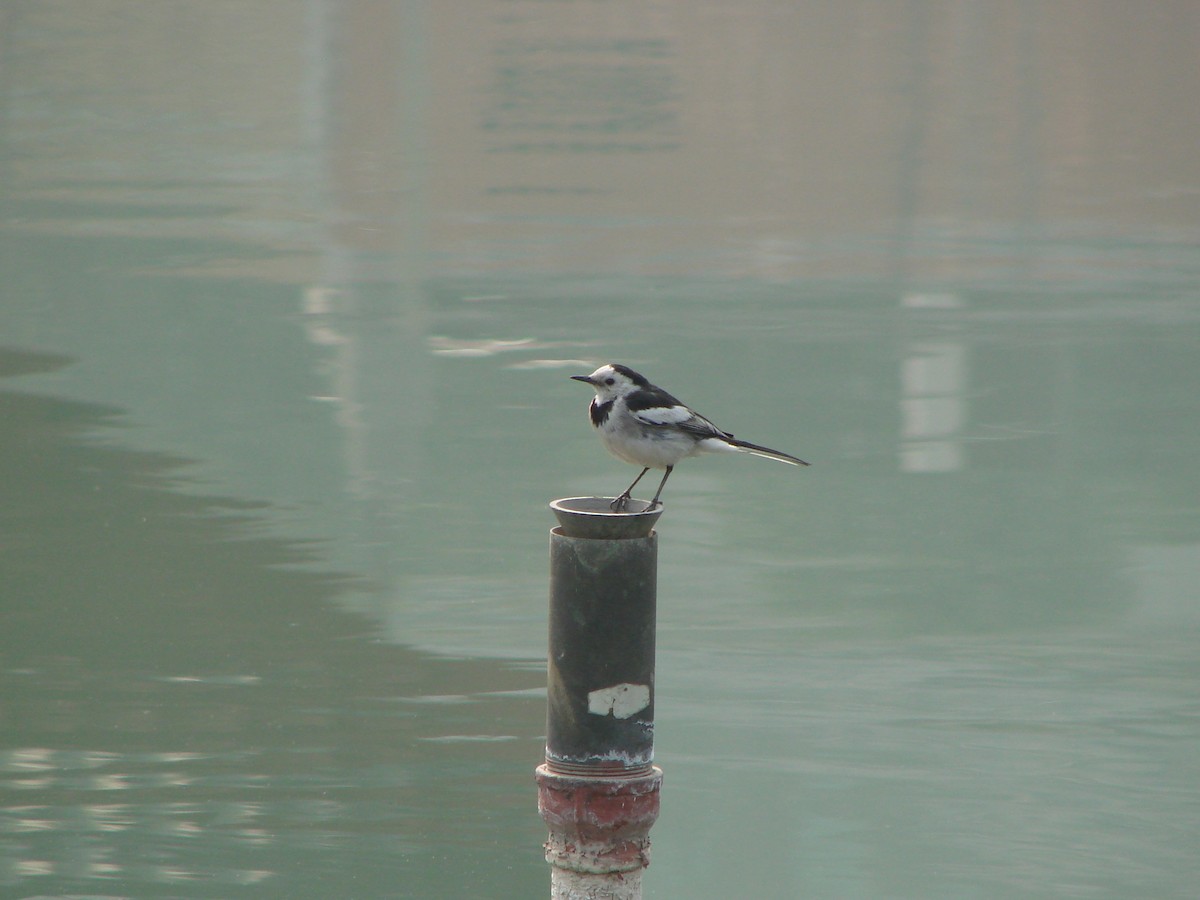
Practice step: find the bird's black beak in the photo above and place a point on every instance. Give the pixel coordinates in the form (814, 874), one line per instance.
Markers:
(586, 379)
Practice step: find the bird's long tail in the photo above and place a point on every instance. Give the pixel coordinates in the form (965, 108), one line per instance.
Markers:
(765, 452)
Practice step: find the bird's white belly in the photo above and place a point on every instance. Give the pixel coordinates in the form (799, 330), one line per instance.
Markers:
(653, 447)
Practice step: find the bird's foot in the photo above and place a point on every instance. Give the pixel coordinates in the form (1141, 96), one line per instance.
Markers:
(619, 503)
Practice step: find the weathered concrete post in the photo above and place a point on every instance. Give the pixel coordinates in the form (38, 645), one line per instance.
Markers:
(598, 788)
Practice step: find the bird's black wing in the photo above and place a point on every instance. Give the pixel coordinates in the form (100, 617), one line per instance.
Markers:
(654, 406)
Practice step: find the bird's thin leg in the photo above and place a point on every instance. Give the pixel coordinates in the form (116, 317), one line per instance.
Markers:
(661, 484)
(621, 502)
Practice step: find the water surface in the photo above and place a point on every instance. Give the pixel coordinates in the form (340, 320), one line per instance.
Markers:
(290, 297)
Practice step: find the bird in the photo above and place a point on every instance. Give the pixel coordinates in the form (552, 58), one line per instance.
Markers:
(642, 424)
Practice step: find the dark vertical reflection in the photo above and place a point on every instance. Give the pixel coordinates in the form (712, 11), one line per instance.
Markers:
(167, 675)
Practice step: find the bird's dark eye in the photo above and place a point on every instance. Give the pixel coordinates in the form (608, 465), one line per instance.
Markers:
(610, 381)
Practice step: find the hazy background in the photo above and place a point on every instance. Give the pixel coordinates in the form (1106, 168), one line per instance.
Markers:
(289, 295)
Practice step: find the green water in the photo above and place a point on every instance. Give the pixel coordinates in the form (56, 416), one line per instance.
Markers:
(290, 295)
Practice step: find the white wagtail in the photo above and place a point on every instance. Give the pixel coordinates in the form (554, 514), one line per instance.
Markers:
(644, 425)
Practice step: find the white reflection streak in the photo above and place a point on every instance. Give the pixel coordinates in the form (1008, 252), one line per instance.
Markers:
(113, 782)
(28, 868)
(933, 386)
(28, 824)
(445, 346)
(29, 758)
(109, 816)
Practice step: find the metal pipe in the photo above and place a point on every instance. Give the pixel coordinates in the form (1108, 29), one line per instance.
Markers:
(598, 790)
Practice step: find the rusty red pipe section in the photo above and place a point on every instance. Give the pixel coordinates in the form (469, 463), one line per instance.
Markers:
(598, 825)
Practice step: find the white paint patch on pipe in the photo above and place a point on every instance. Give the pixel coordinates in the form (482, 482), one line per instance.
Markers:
(620, 701)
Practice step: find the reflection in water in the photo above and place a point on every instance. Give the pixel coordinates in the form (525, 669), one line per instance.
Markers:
(183, 703)
(933, 404)
(594, 94)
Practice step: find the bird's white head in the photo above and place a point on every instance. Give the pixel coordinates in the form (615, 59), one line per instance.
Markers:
(614, 380)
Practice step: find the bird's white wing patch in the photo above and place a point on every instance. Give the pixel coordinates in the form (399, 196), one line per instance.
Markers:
(663, 415)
